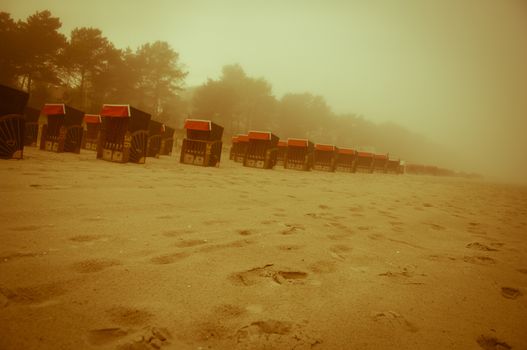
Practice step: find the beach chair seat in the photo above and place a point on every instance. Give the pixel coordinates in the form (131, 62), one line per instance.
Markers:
(261, 150)
(299, 154)
(63, 130)
(12, 122)
(364, 162)
(380, 163)
(203, 144)
(124, 134)
(325, 157)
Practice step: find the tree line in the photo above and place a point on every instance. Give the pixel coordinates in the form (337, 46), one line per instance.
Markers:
(85, 70)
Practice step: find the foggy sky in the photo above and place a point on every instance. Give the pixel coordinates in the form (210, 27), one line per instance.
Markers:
(453, 70)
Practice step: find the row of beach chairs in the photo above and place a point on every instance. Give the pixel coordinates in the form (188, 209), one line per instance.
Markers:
(265, 150)
(122, 133)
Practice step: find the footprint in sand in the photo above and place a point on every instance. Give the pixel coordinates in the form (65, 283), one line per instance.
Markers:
(185, 243)
(274, 334)
(86, 238)
(94, 265)
(36, 294)
(151, 338)
(177, 233)
(234, 244)
(225, 311)
(323, 266)
(289, 247)
(129, 316)
(511, 293)
(292, 228)
(492, 343)
(522, 271)
(268, 272)
(245, 232)
(480, 246)
(104, 336)
(169, 258)
(480, 260)
(15, 256)
(26, 228)
(435, 227)
(393, 319)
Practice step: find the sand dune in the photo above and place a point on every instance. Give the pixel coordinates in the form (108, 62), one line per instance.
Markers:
(98, 255)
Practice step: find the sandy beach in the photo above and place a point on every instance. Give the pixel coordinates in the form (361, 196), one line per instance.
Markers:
(99, 255)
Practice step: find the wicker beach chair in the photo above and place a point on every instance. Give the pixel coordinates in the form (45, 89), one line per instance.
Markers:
(380, 163)
(63, 130)
(124, 134)
(346, 160)
(240, 148)
(203, 144)
(91, 133)
(325, 157)
(12, 122)
(299, 154)
(282, 151)
(261, 150)
(167, 141)
(365, 162)
(155, 131)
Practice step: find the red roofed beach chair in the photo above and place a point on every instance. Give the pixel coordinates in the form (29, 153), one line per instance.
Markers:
(380, 163)
(261, 150)
(202, 146)
(63, 129)
(346, 160)
(124, 134)
(282, 151)
(239, 148)
(12, 122)
(31, 129)
(365, 161)
(93, 129)
(299, 154)
(167, 141)
(394, 166)
(155, 131)
(325, 157)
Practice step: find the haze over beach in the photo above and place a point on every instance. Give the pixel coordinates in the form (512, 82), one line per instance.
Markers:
(453, 71)
(278, 175)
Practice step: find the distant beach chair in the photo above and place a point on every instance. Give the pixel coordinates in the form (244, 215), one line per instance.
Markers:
(167, 141)
(299, 154)
(155, 131)
(12, 122)
(261, 150)
(239, 148)
(325, 157)
(203, 144)
(414, 169)
(63, 130)
(393, 166)
(346, 160)
(93, 129)
(282, 151)
(364, 163)
(234, 146)
(31, 129)
(124, 134)
(380, 163)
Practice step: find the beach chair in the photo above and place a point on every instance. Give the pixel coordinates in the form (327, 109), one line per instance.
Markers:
(91, 133)
(31, 128)
(240, 148)
(282, 151)
(325, 157)
(364, 163)
(203, 144)
(124, 134)
(261, 150)
(415, 169)
(299, 154)
(12, 122)
(234, 147)
(167, 141)
(63, 130)
(380, 162)
(393, 166)
(346, 160)
(155, 131)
